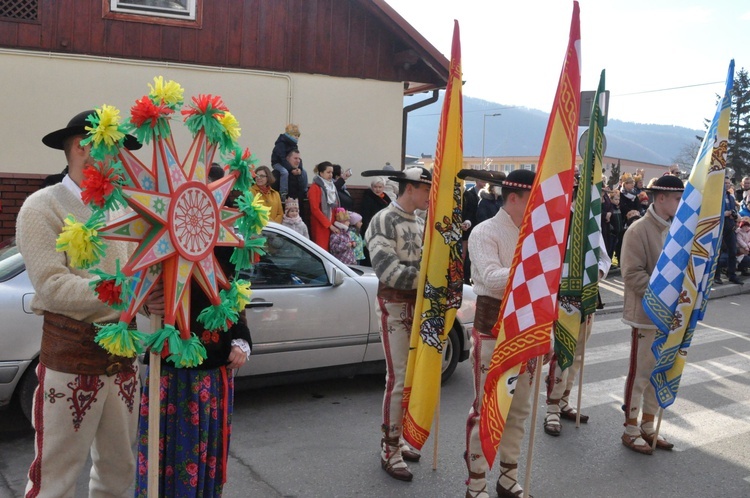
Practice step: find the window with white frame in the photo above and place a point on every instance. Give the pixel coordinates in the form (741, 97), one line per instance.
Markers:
(174, 9)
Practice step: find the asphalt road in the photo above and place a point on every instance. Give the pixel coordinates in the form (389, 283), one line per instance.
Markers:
(321, 439)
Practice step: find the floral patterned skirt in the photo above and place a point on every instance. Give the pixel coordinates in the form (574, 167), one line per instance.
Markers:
(195, 424)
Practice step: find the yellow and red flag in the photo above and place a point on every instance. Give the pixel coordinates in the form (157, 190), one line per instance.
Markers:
(529, 305)
(441, 269)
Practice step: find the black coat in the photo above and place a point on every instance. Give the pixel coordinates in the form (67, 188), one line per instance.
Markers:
(345, 199)
(469, 209)
(371, 204)
(488, 206)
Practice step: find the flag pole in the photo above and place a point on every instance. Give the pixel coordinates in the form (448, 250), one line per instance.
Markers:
(154, 378)
(658, 425)
(532, 431)
(586, 331)
(436, 431)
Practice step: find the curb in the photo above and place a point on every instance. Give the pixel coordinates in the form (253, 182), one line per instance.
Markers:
(717, 292)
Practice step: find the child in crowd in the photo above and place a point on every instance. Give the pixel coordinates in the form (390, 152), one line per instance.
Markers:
(743, 245)
(292, 218)
(355, 225)
(340, 245)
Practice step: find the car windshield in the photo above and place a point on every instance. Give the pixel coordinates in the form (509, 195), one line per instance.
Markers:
(11, 262)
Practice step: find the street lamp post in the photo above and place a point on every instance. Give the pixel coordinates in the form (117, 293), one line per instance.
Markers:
(484, 126)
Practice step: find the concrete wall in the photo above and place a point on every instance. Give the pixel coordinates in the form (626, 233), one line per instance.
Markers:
(353, 122)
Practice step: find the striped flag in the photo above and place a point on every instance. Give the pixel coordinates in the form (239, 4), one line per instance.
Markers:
(441, 269)
(580, 276)
(677, 293)
(529, 306)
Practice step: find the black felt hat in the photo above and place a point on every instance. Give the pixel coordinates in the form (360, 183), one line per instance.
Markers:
(666, 184)
(491, 177)
(416, 174)
(519, 179)
(77, 126)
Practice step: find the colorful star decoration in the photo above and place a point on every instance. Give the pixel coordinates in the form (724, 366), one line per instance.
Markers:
(175, 217)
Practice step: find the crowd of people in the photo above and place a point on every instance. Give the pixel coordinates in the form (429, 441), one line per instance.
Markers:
(195, 404)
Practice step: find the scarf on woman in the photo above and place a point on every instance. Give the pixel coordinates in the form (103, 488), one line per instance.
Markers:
(331, 199)
(265, 189)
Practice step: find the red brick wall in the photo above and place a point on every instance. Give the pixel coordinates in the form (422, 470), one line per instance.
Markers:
(14, 188)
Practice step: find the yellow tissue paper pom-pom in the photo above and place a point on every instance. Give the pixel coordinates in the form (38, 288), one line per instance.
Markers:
(81, 243)
(107, 129)
(243, 294)
(230, 124)
(170, 92)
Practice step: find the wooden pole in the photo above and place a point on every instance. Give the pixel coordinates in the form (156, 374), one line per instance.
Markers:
(154, 377)
(586, 332)
(436, 432)
(532, 431)
(658, 425)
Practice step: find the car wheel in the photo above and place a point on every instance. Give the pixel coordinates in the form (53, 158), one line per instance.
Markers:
(450, 359)
(26, 389)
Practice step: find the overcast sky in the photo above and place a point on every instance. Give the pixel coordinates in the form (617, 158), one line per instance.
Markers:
(665, 60)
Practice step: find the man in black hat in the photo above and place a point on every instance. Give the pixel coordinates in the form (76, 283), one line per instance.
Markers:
(641, 247)
(394, 239)
(492, 245)
(87, 400)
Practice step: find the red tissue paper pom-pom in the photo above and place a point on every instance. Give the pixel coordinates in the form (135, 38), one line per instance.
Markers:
(204, 102)
(97, 184)
(109, 292)
(145, 111)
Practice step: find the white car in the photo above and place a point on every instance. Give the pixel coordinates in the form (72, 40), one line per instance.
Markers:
(310, 317)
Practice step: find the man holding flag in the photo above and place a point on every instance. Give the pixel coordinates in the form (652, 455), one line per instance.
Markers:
(641, 248)
(492, 245)
(394, 239)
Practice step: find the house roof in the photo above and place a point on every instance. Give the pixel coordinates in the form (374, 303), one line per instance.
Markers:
(420, 49)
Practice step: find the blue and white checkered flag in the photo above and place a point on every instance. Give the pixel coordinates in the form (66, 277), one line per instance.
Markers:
(677, 293)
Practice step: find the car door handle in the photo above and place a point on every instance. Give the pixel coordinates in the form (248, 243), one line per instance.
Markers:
(259, 304)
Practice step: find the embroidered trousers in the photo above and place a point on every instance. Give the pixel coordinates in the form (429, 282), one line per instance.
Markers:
(638, 387)
(563, 379)
(395, 318)
(74, 414)
(520, 408)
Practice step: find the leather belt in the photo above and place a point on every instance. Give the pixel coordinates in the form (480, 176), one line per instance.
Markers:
(397, 295)
(68, 346)
(486, 314)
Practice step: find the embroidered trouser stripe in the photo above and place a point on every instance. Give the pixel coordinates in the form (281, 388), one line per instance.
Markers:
(563, 379)
(78, 414)
(638, 387)
(395, 328)
(482, 347)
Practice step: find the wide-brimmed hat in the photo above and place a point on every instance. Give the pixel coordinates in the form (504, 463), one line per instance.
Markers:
(519, 179)
(415, 174)
(77, 126)
(666, 184)
(491, 177)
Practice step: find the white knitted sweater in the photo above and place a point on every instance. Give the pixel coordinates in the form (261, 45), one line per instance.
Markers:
(60, 288)
(492, 244)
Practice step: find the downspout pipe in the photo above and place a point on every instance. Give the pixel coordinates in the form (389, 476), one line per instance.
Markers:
(407, 110)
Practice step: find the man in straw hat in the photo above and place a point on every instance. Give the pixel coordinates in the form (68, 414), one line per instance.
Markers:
(641, 248)
(492, 245)
(87, 399)
(394, 239)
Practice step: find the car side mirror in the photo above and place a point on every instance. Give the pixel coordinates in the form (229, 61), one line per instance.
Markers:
(338, 277)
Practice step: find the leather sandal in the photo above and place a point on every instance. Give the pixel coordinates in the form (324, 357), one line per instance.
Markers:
(569, 413)
(661, 443)
(515, 491)
(477, 493)
(393, 463)
(482, 493)
(637, 444)
(552, 424)
(409, 454)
